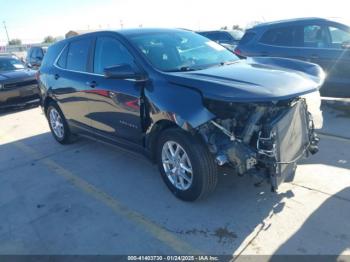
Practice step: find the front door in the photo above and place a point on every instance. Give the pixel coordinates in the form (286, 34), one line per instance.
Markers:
(338, 55)
(114, 104)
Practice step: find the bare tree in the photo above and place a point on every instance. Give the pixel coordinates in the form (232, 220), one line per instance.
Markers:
(15, 42)
(49, 39)
(237, 27)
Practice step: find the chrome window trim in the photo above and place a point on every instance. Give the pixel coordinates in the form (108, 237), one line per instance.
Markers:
(81, 72)
(69, 70)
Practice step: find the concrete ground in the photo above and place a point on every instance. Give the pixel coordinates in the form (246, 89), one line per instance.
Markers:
(89, 198)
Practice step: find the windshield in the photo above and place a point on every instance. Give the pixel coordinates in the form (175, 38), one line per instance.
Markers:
(181, 51)
(10, 64)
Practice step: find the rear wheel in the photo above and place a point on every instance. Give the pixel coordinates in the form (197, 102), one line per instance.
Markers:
(58, 124)
(186, 165)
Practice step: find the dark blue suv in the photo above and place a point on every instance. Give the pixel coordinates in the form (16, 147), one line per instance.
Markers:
(185, 101)
(316, 40)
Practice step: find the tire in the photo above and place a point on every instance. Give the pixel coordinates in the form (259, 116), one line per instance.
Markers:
(65, 137)
(203, 179)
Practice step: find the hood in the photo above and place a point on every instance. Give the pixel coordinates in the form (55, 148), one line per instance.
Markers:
(17, 74)
(253, 80)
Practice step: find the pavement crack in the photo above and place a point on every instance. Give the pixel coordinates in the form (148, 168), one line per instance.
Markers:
(322, 192)
(262, 226)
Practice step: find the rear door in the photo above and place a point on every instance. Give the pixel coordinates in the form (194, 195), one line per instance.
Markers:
(114, 104)
(280, 42)
(71, 81)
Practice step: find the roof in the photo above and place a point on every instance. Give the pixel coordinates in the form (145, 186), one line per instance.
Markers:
(135, 31)
(72, 33)
(220, 30)
(123, 32)
(293, 21)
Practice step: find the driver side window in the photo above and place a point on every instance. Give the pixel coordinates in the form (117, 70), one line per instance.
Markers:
(338, 37)
(110, 52)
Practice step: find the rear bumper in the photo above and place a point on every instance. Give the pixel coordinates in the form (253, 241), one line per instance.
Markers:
(19, 96)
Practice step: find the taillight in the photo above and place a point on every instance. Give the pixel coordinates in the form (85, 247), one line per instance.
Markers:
(238, 52)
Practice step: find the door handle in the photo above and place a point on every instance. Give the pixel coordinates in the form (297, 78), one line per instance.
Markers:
(314, 56)
(91, 84)
(57, 76)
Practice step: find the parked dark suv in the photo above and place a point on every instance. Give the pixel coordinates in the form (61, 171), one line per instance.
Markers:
(183, 100)
(226, 38)
(316, 40)
(35, 56)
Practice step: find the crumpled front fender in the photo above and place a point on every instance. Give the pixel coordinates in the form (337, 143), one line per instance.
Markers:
(179, 104)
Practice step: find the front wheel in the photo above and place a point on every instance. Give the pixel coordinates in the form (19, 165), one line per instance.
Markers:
(187, 167)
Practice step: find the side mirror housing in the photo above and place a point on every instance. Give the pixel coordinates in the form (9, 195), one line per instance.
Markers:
(123, 71)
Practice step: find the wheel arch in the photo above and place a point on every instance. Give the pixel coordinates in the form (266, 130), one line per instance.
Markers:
(154, 132)
(47, 101)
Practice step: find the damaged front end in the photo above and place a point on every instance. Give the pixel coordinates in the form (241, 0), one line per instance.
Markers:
(265, 139)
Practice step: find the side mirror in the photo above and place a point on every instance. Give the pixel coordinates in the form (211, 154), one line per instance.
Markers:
(122, 71)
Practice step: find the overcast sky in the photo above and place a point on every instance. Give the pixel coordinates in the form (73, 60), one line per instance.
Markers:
(32, 20)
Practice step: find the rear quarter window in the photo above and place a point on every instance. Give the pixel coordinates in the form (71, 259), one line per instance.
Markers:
(52, 53)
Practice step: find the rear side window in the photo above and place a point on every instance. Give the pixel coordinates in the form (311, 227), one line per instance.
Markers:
(282, 36)
(78, 53)
(110, 52)
(249, 36)
(339, 37)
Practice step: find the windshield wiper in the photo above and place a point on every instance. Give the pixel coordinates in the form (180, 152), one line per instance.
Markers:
(184, 69)
(188, 68)
(228, 62)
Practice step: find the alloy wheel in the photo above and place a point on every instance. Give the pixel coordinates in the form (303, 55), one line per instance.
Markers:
(56, 123)
(177, 165)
